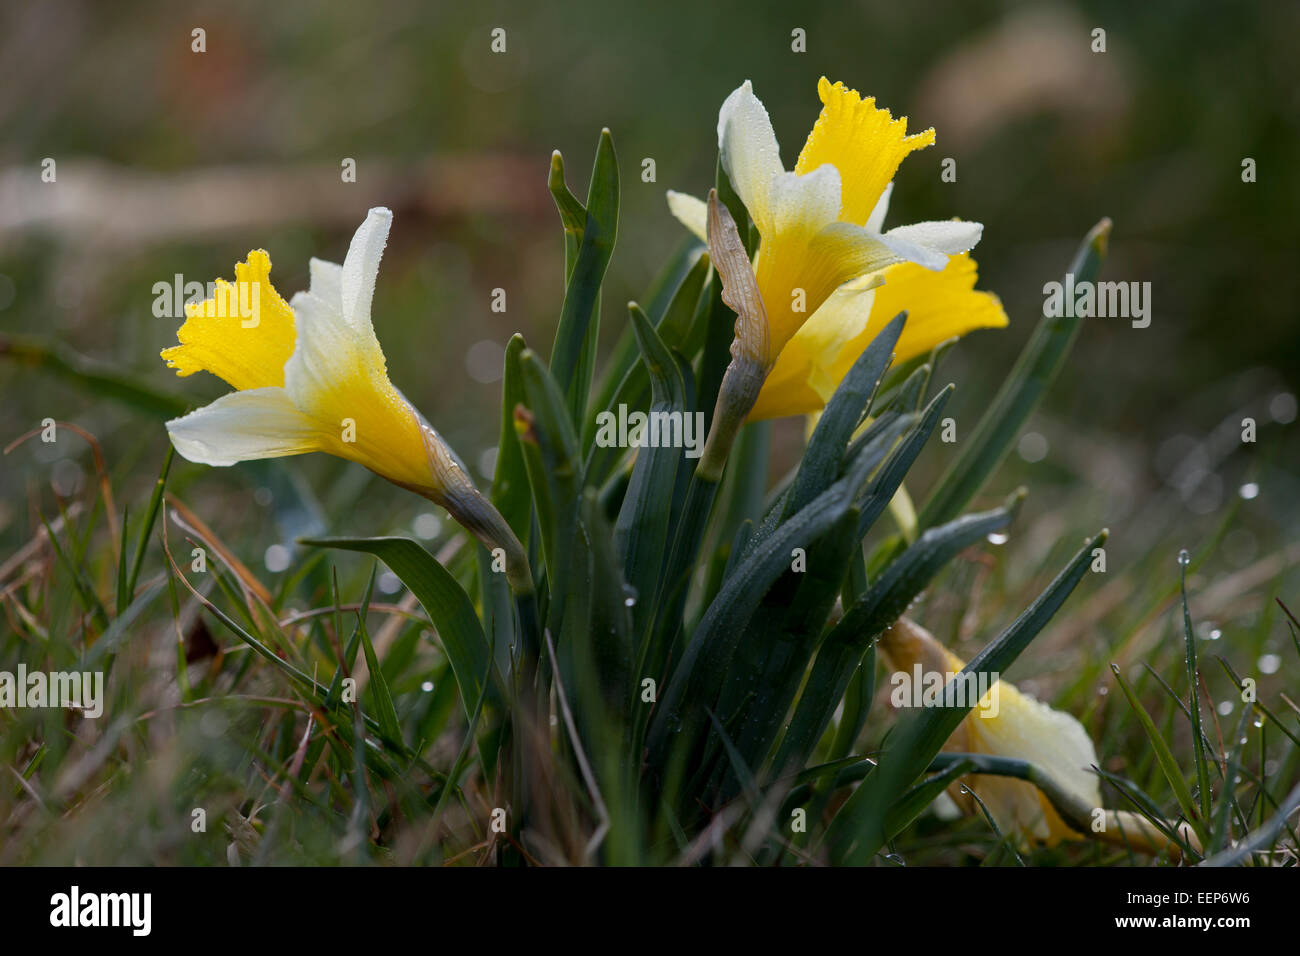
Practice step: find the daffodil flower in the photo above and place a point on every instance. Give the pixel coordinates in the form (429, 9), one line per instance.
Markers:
(823, 250)
(1016, 726)
(309, 375)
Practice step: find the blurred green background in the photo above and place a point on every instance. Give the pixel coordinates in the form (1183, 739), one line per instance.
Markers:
(170, 161)
(174, 162)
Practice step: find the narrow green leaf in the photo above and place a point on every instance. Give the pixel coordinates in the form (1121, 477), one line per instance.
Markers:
(1164, 756)
(445, 601)
(641, 532)
(859, 831)
(671, 304)
(390, 728)
(573, 214)
(582, 292)
(698, 679)
(151, 516)
(868, 617)
(1194, 701)
(911, 804)
(549, 448)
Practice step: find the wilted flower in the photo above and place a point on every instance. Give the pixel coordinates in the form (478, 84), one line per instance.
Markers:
(1018, 727)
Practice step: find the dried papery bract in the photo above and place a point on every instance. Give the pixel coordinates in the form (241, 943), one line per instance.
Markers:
(750, 359)
(455, 492)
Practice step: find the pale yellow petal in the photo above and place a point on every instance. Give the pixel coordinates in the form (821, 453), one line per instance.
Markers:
(1007, 723)
(690, 212)
(339, 379)
(940, 306)
(802, 380)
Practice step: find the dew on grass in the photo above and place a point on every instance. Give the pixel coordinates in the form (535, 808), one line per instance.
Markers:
(1184, 558)
(427, 525)
(998, 537)
(276, 558)
(1269, 663)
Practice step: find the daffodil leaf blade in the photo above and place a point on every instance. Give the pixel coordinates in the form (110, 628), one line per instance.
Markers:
(595, 644)
(896, 466)
(573, 214)
(578, 316)
(698, 678)
(443, 599)
(641, 531)
(770, 663)
(859, 829)
(869, 616)
(873, 445)
(911, 804)
(509, 492)
(549, 447)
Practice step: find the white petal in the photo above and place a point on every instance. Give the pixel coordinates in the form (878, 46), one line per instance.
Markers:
(361, 267)
(690, 212)
(1053, 740)
(750, 154)
(948, 238)
(242, 426)
(329, 351)
(809, 202)
(327, 281)
(876, 221)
